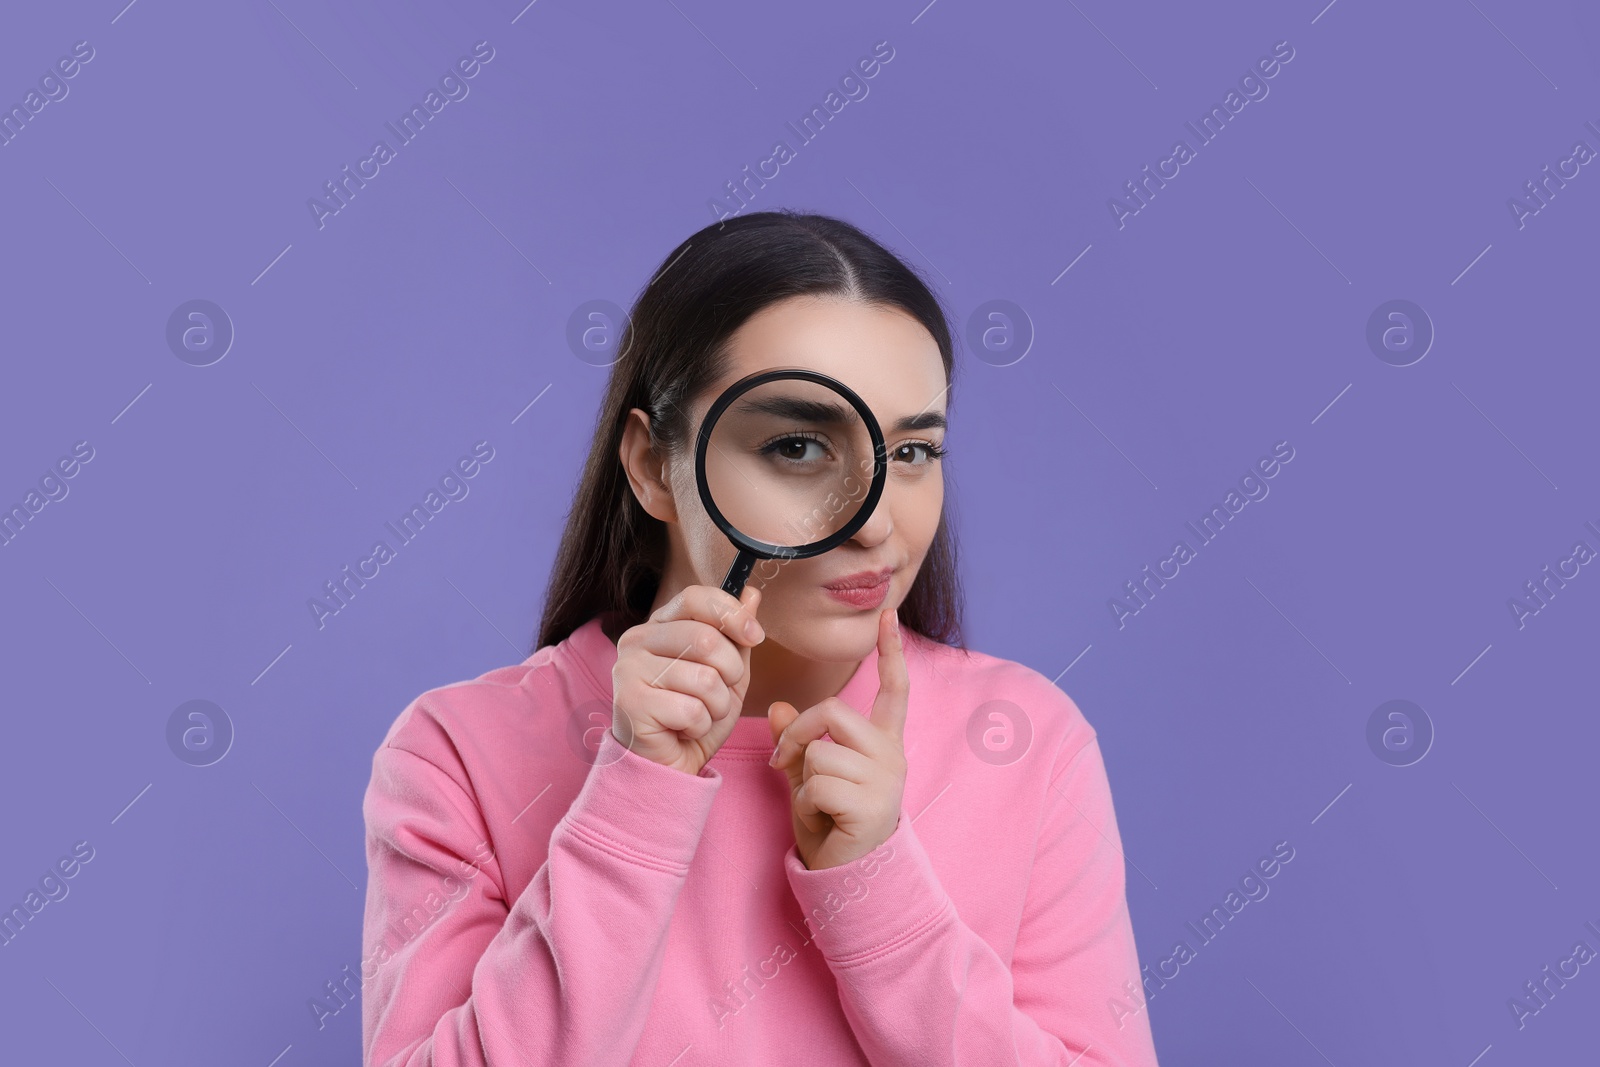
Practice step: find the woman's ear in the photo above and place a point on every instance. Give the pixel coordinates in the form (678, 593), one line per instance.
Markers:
(646, 470)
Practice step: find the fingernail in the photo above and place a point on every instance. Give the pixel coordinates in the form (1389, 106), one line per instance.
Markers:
(772, 760)
(751, 630)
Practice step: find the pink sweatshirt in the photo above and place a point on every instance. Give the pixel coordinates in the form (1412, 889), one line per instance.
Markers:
(539, 894)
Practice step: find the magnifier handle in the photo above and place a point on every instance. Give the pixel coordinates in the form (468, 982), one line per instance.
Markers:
(734, 582)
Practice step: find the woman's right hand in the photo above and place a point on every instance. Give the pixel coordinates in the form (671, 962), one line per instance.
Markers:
(681, 675)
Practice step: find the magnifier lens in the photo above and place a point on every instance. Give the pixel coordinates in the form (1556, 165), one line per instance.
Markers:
(789, 462)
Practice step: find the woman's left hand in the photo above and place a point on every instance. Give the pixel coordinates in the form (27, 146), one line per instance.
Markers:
(844, 793)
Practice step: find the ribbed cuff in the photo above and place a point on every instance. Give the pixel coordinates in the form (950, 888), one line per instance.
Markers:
(865, 909)
(647, 809)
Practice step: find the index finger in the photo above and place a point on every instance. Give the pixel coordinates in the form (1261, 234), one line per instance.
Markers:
(894, 681)
(716, 607)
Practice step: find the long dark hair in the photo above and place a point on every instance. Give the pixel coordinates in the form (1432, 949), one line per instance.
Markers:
(675, 345)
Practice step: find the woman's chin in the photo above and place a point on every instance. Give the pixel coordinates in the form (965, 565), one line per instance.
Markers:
(842, 639)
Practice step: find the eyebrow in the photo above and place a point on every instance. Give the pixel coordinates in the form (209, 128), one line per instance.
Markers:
(926, 420)
(822, 411)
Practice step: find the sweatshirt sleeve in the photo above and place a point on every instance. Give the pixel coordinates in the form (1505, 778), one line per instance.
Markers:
(920, 987)
(566, 972)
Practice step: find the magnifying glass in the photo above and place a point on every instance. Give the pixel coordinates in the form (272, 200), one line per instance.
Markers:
(790, 463)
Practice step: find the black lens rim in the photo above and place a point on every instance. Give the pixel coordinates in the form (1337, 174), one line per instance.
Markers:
(763, 549)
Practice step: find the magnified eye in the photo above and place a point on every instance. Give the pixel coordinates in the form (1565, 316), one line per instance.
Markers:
(796, 449)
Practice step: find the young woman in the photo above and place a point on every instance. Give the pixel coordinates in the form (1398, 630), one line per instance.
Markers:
(800, 826)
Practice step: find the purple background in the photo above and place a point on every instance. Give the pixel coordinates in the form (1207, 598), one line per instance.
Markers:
(1229, 314)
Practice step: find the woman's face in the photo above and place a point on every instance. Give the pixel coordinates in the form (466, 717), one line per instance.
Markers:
(894, 365)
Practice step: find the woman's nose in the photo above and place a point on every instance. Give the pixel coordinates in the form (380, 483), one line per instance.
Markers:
(877, 528)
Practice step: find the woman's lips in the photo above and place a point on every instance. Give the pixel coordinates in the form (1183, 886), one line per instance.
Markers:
(861, 596)
(864, 597)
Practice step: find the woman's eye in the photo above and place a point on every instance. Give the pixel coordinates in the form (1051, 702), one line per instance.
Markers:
(797, 449)
(907, 453)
